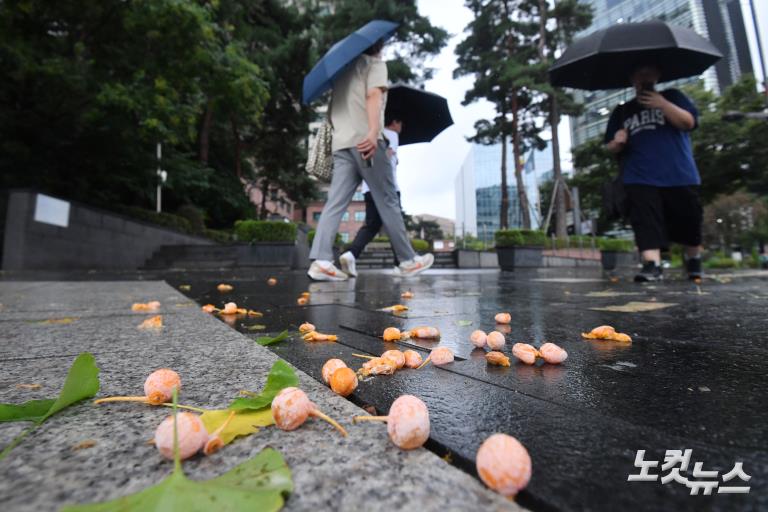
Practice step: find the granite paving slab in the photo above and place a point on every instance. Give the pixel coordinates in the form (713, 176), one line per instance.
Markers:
(364, 471)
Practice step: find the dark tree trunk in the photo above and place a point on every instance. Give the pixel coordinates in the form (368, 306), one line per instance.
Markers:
(525, 210)
(205, 133)
(504, 211)
(238, 148)
(263, 206)
(561, 226)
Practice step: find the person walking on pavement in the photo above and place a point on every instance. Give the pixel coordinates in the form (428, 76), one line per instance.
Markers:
(651, 136)
(359, 153)
(392, 128)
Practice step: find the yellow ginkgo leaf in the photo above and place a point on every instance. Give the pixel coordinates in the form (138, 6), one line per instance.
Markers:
(243, 423)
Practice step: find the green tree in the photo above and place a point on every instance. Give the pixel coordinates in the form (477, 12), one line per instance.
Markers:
(415, 40)
(558, 23)
(497, 52)
(730, 155)
(91, 87)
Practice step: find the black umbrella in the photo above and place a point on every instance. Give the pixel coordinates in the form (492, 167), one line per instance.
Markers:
(424, 114)
(605, 59)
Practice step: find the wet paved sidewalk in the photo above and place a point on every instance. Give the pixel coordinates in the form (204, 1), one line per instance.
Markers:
(693, 379)
(362, 472)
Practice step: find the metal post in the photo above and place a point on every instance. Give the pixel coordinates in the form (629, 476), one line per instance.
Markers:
(576, 210)
(159, 175)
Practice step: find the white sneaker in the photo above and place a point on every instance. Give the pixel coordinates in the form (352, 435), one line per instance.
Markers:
(325, 271)
(415, 266)
(347, 261)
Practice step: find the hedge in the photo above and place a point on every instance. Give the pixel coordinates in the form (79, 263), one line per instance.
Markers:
(265, 231)
(419, 245)
(218, 235)
(311, 238)
(615, 244)
(164, 219)
(520, 237)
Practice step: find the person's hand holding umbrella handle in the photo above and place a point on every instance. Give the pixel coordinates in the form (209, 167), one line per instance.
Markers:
(367, 146)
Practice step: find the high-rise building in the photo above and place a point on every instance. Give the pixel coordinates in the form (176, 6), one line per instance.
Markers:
(720, 21)
(478, 190)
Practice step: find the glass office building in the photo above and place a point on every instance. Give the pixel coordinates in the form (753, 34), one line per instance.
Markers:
(720, 21)
(478, 190)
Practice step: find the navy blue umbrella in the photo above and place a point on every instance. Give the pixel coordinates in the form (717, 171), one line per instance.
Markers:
(333, 63)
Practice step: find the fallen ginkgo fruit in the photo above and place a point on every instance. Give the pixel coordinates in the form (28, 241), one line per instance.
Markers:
(271, 281)
(406, 295)
(412, 359)
(225, 288)
(424, 333)
(154, 322)
(210, 308)
(397, 308)
(292, 407)
(503, 318)
(192, 435)
(377, 366)
(407, 422)
(149, 307)
(343, 381)
(606, 332)
(316, 336)
(331, 366)
(397, 357)
(214, 441)
(495, 340)
(439, 356)
(302, 301)
(158, 389)
(552, 354)
(230, 308)
(478, 338)
(497, 358)
(391, 334)
(306, 327)
(504, 464)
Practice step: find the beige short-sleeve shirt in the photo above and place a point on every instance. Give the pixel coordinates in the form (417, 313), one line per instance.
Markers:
(348, 114)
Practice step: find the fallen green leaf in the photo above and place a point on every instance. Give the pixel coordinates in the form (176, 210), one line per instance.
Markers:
(82, 382)
(185, 287)
(280, 376)
(260, 483)
(256, 327)
(266, 340)
(243, 423)
(463, 323)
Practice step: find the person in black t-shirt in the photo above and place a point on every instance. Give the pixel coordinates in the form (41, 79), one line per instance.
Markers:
(651, 136)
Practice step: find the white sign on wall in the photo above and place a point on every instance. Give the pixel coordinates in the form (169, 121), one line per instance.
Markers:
(50, 210)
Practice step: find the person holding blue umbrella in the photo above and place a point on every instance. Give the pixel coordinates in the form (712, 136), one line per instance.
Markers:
(359, 149)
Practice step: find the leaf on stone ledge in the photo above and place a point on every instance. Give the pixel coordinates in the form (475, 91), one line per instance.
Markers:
(243, 423)
(463, 323)
(82, 382)
(280, 376)
(266, 340)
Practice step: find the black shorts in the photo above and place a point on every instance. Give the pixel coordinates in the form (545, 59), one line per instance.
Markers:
(661, 215)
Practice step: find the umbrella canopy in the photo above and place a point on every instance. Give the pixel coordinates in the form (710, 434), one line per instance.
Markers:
(424, 114)
(333, 63)
(605, 59)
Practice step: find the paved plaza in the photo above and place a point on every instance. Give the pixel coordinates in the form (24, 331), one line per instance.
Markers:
(692, 379)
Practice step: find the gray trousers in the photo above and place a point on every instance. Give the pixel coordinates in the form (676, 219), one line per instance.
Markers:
(348, 171)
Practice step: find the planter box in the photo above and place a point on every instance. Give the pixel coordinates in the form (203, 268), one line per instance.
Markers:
(511, 258)
(613, 259)
(466, 258)
(265, 254)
